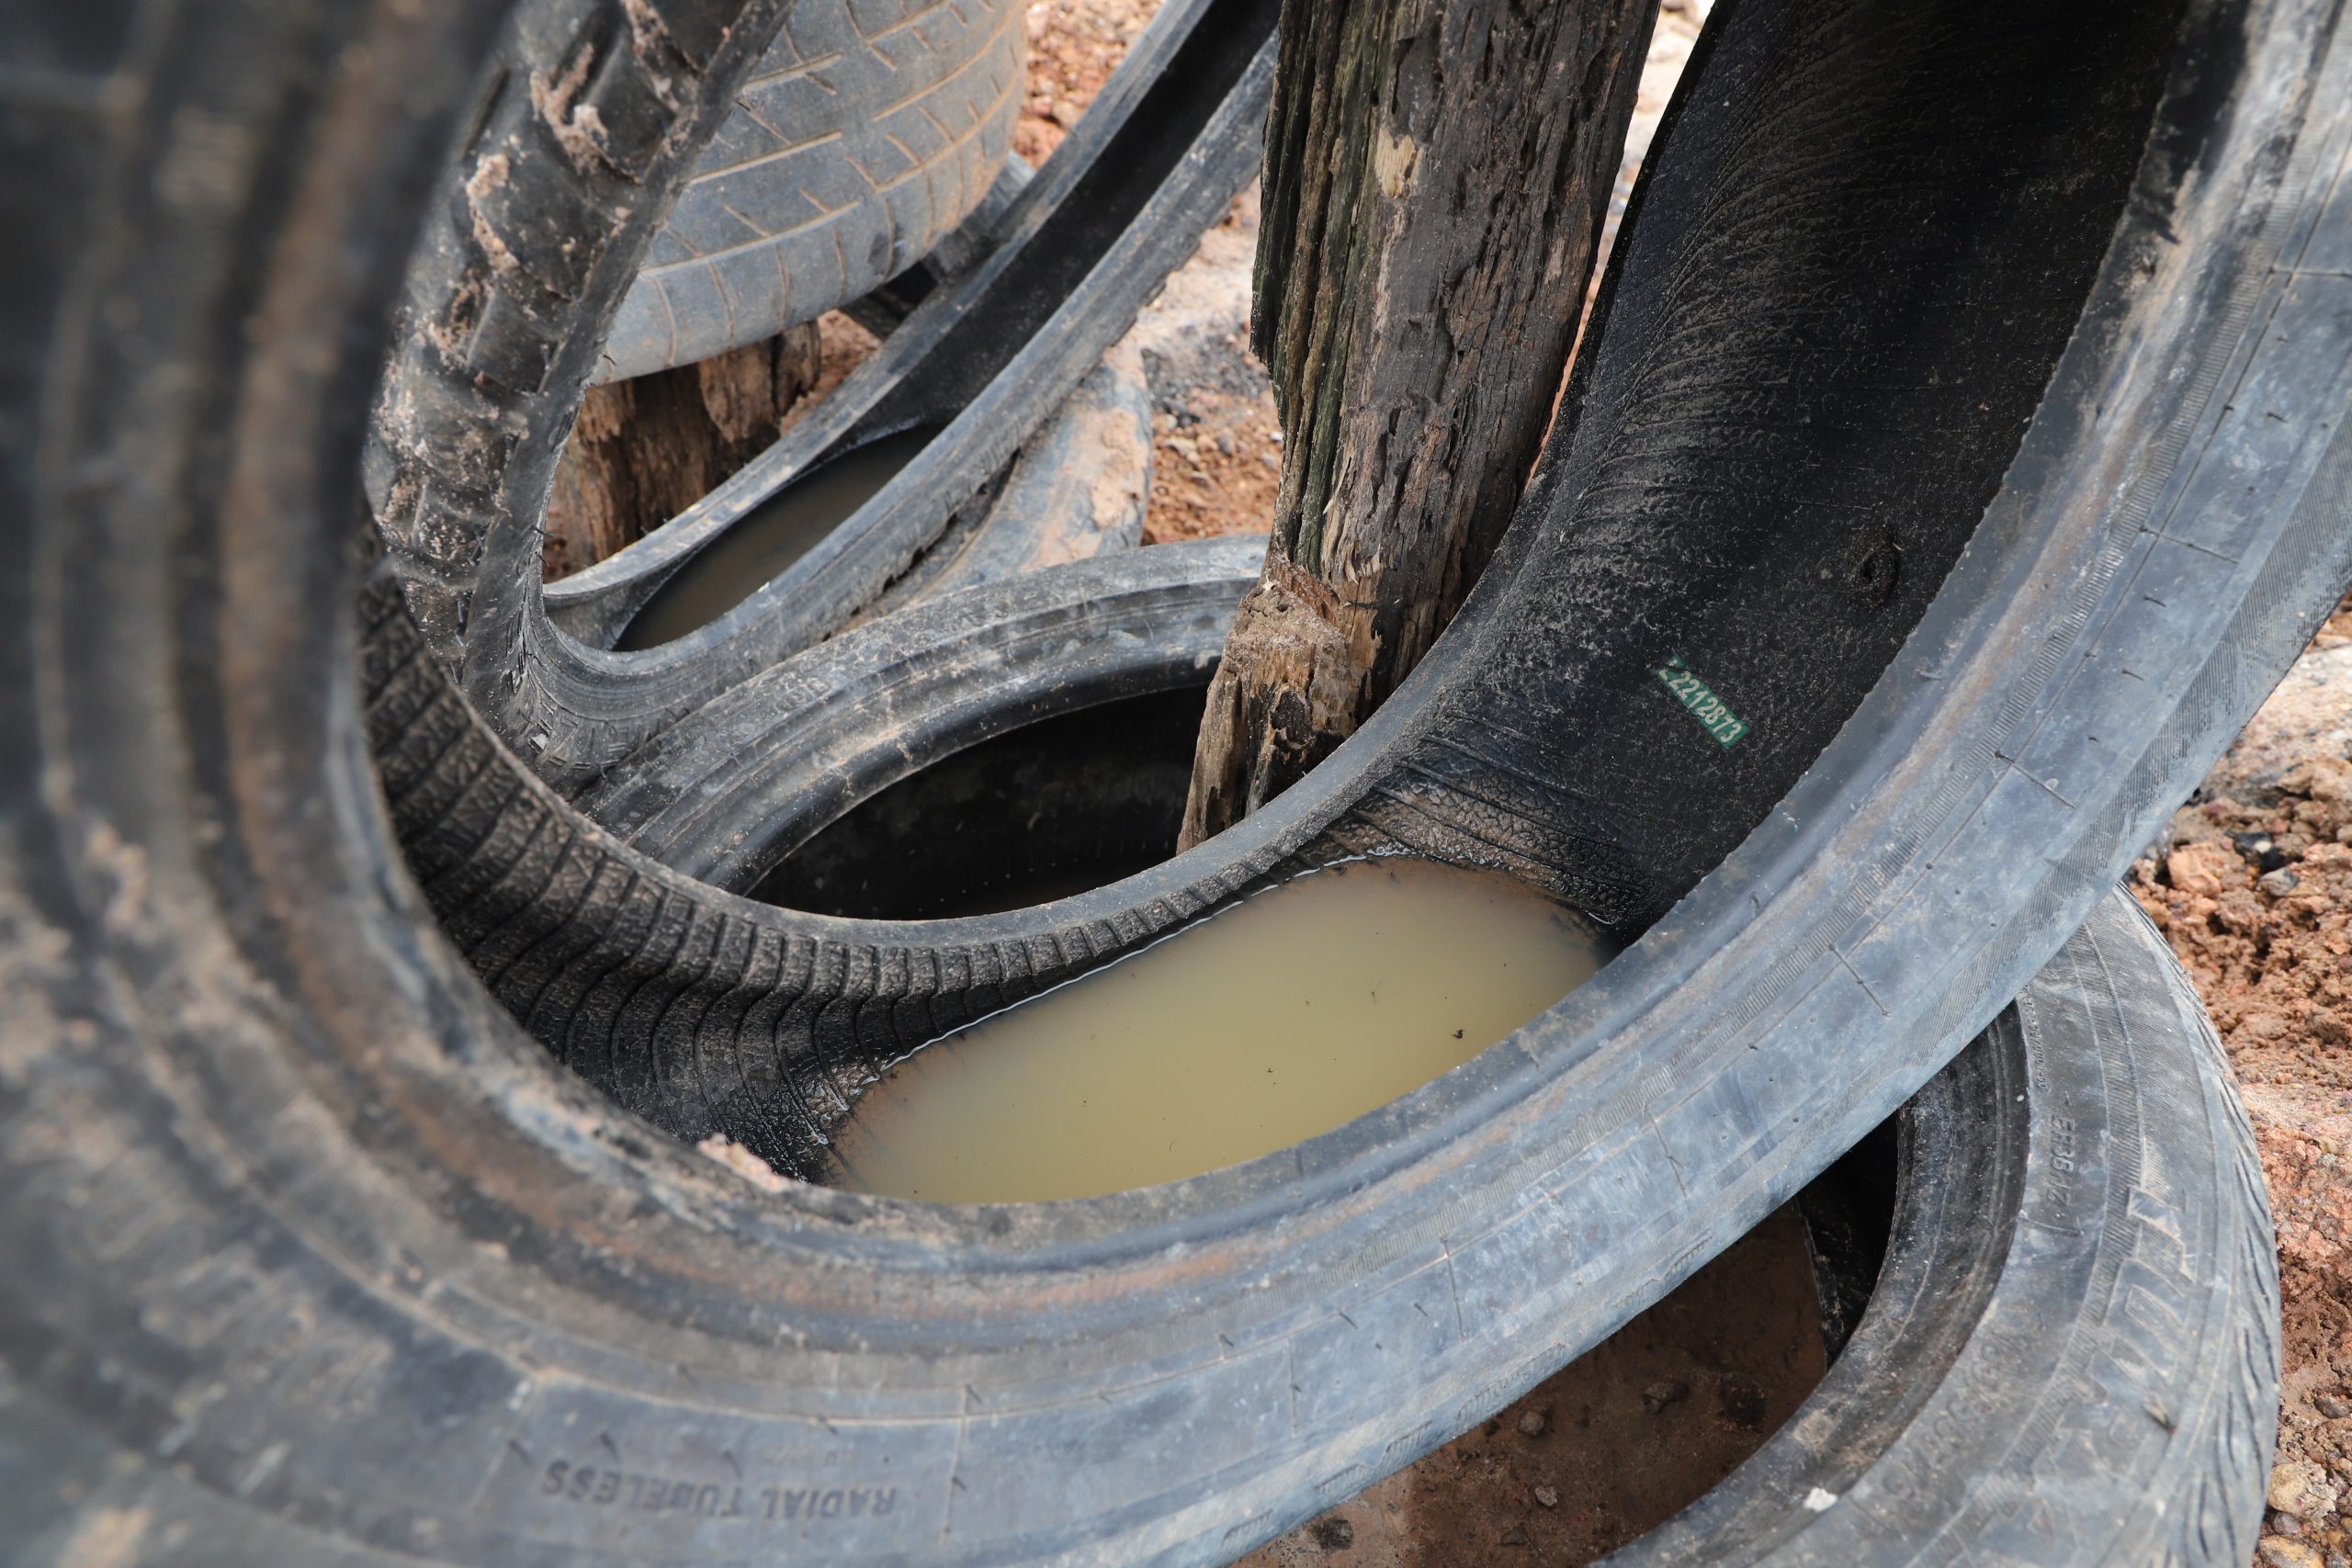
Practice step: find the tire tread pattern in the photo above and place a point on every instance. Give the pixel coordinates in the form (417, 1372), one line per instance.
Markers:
(702, 1011)
(865, 137)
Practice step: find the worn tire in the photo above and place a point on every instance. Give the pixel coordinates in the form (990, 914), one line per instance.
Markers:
(1902, 878)
(516, 282)
(2071, 1353)
(1535, 735)
(314, 1256)
(742, 782)
(869, 132)
(2080, 1250)
(1080, 487)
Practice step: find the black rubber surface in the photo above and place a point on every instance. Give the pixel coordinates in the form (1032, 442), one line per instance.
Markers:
(1741, 435)
(1898, 886)
(869, 131)
(476, 408)
(1049, 809)
(2071, 1353)
(2081, 1248)
(1080, 487)
(744, 780)
(314, 1256)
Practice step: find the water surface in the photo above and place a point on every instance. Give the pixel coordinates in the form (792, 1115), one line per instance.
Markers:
(1283, 1016)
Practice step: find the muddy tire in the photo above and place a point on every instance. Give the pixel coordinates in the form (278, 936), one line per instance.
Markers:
(1080, 487)
(2071, 1352)
(858, 143)
(1940, 734)
(2090, 1137)
(314, 1256)
(744, 780)
(516, 284)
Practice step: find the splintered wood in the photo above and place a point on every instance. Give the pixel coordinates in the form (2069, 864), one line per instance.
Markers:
(1437, 175)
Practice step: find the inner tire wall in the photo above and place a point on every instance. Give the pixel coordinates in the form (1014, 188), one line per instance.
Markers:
(1056, 806)
(526, 254)
(1861, 245)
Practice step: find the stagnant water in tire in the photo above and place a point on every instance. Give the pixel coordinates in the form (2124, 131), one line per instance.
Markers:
(1281, 1017)
(788, 525)
(1600, 1452)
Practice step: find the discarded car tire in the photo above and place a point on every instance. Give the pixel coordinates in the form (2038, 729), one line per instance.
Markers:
(2071, 1353)
(1897, 808)
(738, 784)
(315, 1256)
(1078, 488)
(2089, 1139)
(859, 142)
(524, 262)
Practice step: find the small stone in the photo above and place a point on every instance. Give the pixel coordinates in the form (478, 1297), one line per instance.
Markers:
(2261, 849)
(2277, 1551)
(2332, 1407)
(1547, 1496)
(1531, 1423)
(2300, 1488)
(2278, 883)
(2206, 868)
(1515, 1536)
(1332, 1534)
(1659, 1395)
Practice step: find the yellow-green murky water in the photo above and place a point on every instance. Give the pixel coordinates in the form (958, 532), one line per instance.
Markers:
(1267, 1024)
(785, 526)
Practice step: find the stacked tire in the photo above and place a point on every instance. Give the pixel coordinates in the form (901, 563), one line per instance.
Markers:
(360, 1015)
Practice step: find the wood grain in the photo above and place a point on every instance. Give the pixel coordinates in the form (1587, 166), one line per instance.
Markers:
(1437, 174)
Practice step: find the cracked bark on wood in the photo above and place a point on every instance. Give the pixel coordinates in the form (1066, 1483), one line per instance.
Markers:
(1437, 175)
(644, 450)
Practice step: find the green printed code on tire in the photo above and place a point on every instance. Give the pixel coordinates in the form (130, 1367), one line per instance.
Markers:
(1709, 709)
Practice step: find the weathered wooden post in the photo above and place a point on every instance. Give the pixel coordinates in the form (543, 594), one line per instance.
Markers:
(645, 450)
(1436, 173)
